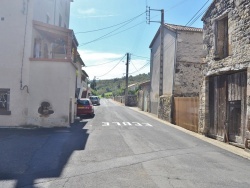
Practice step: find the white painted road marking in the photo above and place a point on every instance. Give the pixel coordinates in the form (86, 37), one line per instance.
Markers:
(106, 124)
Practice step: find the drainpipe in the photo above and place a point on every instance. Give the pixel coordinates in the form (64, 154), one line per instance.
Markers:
(55, 12)
(25, 11)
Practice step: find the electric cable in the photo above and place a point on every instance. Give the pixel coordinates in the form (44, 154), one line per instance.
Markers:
(135, 67)
(176, 5)
(197, 13)
(198, 16)
(103, 63)
(112, 68)
(140, 68)
(81, 32)
(140, 56)
(105, 36)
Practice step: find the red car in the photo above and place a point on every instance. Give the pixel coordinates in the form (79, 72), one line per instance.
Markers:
(85, 107)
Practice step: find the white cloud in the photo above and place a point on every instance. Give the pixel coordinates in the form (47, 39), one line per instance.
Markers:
(86, 12)
(109, 65)
(92, 13)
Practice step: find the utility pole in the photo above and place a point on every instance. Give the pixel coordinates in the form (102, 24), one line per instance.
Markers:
(126, 89)
(161, 54)
(161, 45)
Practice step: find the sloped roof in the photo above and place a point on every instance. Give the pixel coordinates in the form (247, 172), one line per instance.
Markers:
(183, 28)
(176, 28)
(145, 83)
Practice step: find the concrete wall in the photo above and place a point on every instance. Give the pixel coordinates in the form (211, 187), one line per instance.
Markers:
(51, 82)
(155, 72)
(14, 54)
(169, 61)
(168, 67)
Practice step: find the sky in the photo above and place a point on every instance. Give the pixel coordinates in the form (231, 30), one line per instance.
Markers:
(107, 30)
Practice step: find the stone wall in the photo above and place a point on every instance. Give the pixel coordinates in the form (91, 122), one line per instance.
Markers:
(165, 108)
(237, 13)
(188, 79)
(132, 100)
(120, 99)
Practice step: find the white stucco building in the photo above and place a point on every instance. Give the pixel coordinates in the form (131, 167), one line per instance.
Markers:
(40, 68)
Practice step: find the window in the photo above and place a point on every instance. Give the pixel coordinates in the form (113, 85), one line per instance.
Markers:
(221, 39)
(4, 101)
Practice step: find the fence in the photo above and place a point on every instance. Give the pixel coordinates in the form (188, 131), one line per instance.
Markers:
(186, 112)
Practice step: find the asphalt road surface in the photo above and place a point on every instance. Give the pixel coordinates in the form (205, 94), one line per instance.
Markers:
(119, 148)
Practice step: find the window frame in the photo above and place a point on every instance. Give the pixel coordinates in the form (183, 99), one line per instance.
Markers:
(221, 33)
(5, 111)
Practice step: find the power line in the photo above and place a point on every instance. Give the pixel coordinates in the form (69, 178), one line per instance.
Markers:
(140, 56)
(103, 37)
(196, 14)
(140, 68)
(107, 35)
(104, 63)
(181, 2)
(134, 67)
(110, 26)
(112, 68)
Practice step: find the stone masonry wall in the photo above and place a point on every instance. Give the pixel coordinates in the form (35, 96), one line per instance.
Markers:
(238, 12)
(165, 108)
(188, 79)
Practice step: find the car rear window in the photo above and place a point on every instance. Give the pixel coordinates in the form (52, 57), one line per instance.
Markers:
(83, 102)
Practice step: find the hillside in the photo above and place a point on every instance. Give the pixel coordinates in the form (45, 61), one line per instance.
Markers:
(117, 85)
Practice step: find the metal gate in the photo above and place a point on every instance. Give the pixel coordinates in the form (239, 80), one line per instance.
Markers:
(186, 112)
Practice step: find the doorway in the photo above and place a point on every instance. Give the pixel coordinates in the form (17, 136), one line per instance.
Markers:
(227, 106)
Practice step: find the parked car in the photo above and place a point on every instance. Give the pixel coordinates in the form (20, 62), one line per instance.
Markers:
(95, 100)
(85, 107)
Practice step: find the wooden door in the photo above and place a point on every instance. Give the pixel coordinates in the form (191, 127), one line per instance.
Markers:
(237, 83)
(218, 105)
(234, 120)
(227, 106)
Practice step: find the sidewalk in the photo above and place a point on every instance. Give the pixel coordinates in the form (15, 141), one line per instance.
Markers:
(233, 149)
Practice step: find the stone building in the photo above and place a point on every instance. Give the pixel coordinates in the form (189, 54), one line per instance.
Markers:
(143, 96)
(181, 71)
(225, 97)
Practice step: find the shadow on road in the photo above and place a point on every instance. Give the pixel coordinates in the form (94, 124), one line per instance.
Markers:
(30, 154)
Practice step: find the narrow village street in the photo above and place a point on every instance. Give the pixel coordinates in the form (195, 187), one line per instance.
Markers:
(119, 147)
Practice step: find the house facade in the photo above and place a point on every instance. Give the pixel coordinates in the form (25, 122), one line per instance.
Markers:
(39, 64)
(225, 107)
(143, 96)
(180, 73)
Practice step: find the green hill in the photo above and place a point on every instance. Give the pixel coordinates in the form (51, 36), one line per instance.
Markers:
(116, 86)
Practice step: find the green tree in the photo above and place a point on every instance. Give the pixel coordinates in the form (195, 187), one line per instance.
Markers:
(93, 84)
